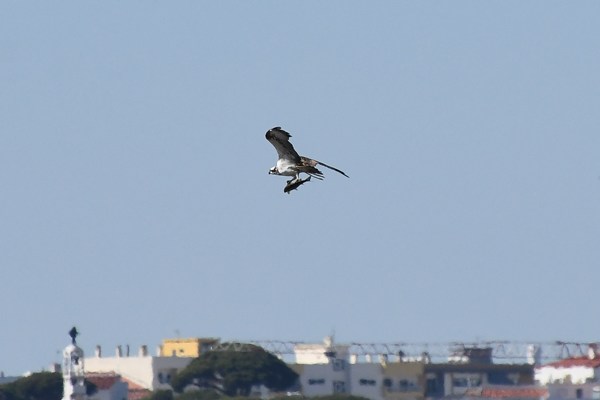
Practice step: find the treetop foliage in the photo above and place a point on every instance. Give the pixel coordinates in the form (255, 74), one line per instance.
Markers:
(234, 372)
(39, 386)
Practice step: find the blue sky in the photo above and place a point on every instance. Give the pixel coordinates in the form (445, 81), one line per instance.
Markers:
(136, 202)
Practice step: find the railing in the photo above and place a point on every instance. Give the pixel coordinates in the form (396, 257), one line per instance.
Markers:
(502, 351)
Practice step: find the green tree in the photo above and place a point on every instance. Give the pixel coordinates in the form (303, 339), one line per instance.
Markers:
(5, 393)
(206, 394)
(38, 386)
(339, 397)
(160, 395)
(234, 372)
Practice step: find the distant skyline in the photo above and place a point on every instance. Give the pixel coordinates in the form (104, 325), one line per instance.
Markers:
(502, 351)
(136, 200)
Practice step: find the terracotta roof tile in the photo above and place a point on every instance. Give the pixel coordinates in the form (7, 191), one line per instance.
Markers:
(132, 384)
(520, 392)
(509, 392)
(103, 381)
(575, 362)
(135, 391)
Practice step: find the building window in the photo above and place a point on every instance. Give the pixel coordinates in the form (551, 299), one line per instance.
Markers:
(316, 381)
(432, 386)
(367, 382)
(579, 393)
(460, 382)
(387, 382)
(339, 365)
(467, 381)
(407, 385)
(339, 387)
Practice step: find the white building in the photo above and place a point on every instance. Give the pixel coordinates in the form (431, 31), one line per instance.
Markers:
(322, 379)
(572, 378)
(322, 367)
(366, 380)
(320, 353)
(329, 368)
(149, 372)
(577, 370)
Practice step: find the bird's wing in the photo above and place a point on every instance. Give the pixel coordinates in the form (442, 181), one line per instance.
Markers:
(280, 139)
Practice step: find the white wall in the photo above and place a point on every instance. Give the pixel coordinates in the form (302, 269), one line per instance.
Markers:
(569, 391)
(548, 374)
(315, 353)
(167, 367)
(322, 379)
(140, 370)
(367, 380)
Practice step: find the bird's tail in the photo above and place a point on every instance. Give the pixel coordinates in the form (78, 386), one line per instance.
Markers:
(309, 163)
(333, 168)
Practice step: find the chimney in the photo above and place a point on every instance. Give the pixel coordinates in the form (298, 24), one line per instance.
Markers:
(143, 351)
(383, 359)
(127, 351)
(119, 351)
(592, 350)
(98, 351)
(534, 354)
(426, 357)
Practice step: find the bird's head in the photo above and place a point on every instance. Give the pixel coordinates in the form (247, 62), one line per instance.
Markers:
(273, 171)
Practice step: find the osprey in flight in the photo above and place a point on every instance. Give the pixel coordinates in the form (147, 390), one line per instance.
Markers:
(292, 164)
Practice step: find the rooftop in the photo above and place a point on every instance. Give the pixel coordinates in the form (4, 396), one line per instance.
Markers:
(103, 381)
(509, 392)
(585, 362)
